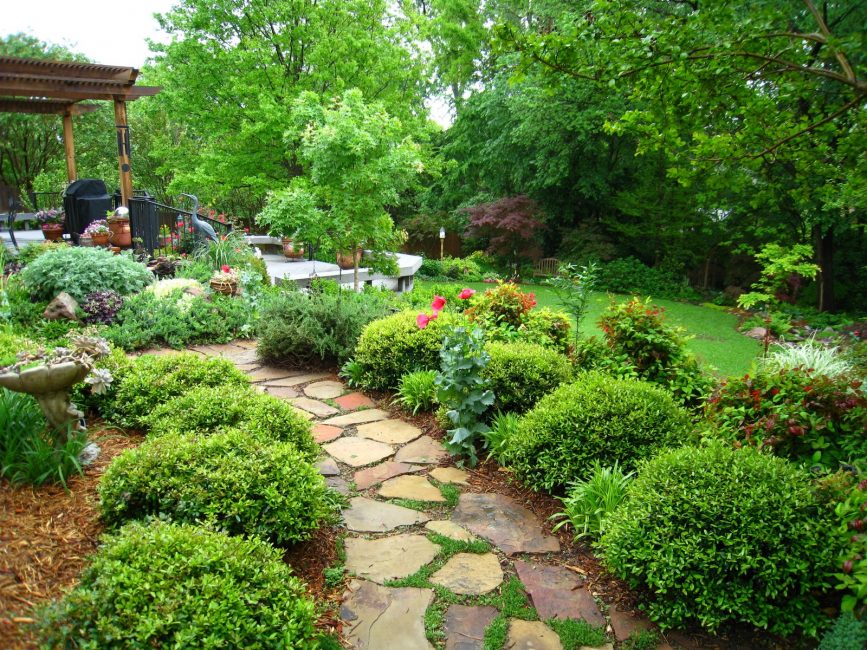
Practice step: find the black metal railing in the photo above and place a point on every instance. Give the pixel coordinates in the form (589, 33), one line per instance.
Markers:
(45, 200)
(165, 229)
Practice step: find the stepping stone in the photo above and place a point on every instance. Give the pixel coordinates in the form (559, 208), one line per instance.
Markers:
(294, 379)
(317, 408)
(394, 432)
(269, 373)
(325, 433)
(354, 401)
(368, 516)
(558, 592)
(358, 452)
(379, 617)
(325, 389)
(339, 484)
(509, 526)
(283, 392)
(241, 356)
(247, 367)
(465, 626)
(230, 350)
(359, 417)
(424, 451)
(378, 473)
(327, 467)
(531, 635)
(410, 487)
(451, 530)
(304, 414)
(388, 558)
(470, 574)
(247, 344)
(450, 475)
(625, 623)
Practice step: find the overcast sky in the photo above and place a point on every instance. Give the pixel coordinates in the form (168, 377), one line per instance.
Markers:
(112, 32)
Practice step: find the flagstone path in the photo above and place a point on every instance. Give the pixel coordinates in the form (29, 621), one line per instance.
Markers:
(373, 456)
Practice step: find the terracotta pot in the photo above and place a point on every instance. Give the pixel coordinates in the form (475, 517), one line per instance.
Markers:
(100, 238)
(115, 250)
(292, 250)
(121, 235)
(52, 231)
(347, 260)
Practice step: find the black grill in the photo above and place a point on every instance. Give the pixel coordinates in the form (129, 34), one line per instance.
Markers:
(84, 201)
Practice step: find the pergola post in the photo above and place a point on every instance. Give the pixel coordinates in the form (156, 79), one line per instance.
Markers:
(69, 146)
(123, 151)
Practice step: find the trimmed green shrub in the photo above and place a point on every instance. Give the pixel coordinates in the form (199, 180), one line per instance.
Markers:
(153, 380)
(321, 327)
(417, 391)
(176, 586)
(597, 418)
(235, 481)
(394, 346)
(79, 271)
(718, 535)
(547, 327)
(520, 374)
(208, 410)
(628, 275)
(848, 633)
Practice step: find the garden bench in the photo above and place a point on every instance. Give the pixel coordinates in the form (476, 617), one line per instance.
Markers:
(546, 267)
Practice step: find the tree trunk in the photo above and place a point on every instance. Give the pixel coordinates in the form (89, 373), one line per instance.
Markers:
(355, 272)
(825, 259)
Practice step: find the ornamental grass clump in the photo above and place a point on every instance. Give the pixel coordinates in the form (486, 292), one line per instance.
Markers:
(718, 536)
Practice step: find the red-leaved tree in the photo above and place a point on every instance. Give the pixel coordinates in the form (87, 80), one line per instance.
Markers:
(510, 225)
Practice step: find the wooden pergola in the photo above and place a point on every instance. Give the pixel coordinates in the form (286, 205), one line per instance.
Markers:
(56, 88)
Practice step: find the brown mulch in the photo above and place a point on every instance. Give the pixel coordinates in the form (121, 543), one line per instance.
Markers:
(46, 535)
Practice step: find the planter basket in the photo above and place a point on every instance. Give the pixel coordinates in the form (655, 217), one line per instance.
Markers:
(225, 287)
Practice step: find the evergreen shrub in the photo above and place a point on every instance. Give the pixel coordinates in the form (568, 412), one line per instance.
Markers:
(520, 374)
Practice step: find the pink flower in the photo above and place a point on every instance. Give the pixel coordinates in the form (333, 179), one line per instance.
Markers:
(422, 320)
(438, 303)
(225, 268)
(466, 293)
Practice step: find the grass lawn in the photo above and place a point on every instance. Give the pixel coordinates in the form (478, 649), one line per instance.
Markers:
(715, 339)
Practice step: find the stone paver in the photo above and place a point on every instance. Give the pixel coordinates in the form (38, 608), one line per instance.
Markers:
(339, 484)
(500, 520)
(327, 467)
(470, 574)
(283, 392)
(358, 417)
(247, 367)
(624, 623)
(358, 452)
(394, 432)
(325, 389)
(450, 475)
(243, 356)
(354, 401)
(307, 415)
(558, 592)
(465, 626)
(248, 344)
(364, 478)
(296, 379)
(388, 558)
(368, 516)
(381, 618)
(410, 486)
(451, 530)
(326, 433)
(424, 451)
(270, 374)
(531, 635)
(317, 408)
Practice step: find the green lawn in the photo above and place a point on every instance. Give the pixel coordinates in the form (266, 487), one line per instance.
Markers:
(714, 337)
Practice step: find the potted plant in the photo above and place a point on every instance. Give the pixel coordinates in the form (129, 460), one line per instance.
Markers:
(293, 249)
(225, 281)
(346, 260)
(51, 222)
(98, 232)
(118, 224)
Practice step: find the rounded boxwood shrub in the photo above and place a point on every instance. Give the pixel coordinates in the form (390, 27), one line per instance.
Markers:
(79, 271)
(720, 535)
(169, 585)
(207, 410)
(153, 380)
(239, 483)
(596, 418)
(393, 346)
(520, 374)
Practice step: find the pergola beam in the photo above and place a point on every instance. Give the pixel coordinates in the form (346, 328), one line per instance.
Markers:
(40, 67)
(45, 107)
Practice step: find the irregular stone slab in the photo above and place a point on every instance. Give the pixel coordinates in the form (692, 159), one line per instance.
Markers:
(451, 530)
(509, 526)
(368, 516)
(379, 617)
(354, 401)
(394, 432)
(358, 452)
(610, 646)
(317, 408)
(231, 350)
(339, 484)
(242, 356)
(269, 373)
(327, 467)
(531, 635)
(283, 392)
(325, 433)
(450, 475)
(465, 626)
(247, 344)
(307, 415)
(424, 451)
(388, 558)
(359, 417)
(294, 379)
(364, 478)
(410, 487)
(247, 367)
(470, 574)
(624, 623)
(325, 389)
(558, 592)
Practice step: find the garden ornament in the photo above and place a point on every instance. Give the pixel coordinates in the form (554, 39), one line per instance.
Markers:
(202, 227)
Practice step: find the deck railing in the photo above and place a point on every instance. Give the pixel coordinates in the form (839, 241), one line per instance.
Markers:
(167, 229)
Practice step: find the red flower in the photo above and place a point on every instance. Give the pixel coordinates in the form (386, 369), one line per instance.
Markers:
(775, 391)
(466, 293)
(225, 268)
(438, 303)
(531, 299)
(423, 319)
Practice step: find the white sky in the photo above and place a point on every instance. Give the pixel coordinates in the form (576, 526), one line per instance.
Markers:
(111, 32)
